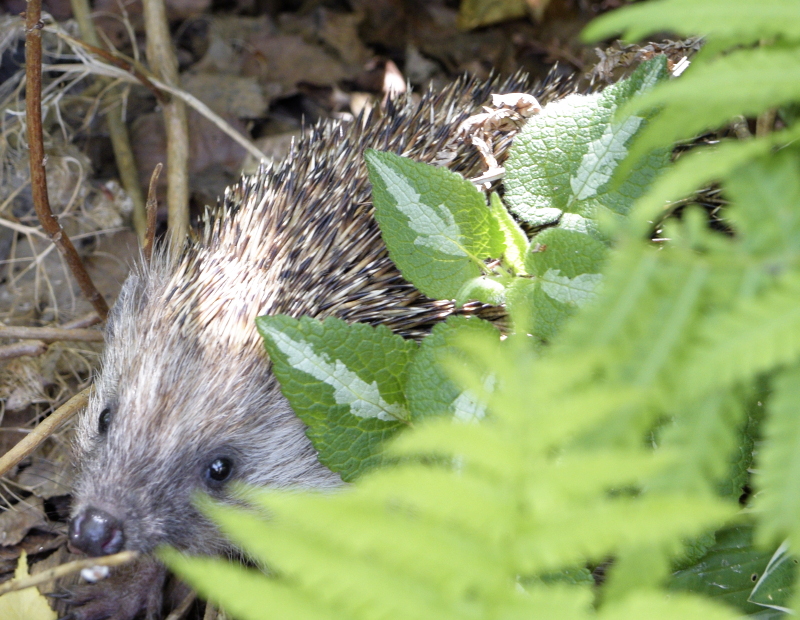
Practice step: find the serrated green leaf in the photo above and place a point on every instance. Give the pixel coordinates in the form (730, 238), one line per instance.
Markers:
(700, 167)
(344, 381)
(621, 522)
(567, 267)
(289, 542)
(574, 576)
(563, 159)
(436, 225)
(775, 587)
(516, 241)
(744, 82)
(739, 22)
(715, 420)
(638, 568)
(693, 550)
(727, 571)
(429, 389)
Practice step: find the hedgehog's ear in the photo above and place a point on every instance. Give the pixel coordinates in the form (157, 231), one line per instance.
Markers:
(131, 299)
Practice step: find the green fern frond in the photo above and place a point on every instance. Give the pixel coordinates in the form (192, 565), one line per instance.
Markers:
(655, 606)
(715, 421)
(698, 168)
(757, 335)
(744, 82)
(778, 476)
(741, 21)
(244, 592)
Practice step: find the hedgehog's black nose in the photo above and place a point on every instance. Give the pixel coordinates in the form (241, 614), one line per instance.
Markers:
(96, 532)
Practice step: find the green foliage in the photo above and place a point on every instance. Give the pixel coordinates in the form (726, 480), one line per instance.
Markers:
(617, 425)
(563, 160)
(429, 389)
(566, 265)
(728, 571)
(781, 460)
(344, 381)
(774, 588)
(742, 82)
(435, 223)
(724, 80)
(734, 22)
(515, 241)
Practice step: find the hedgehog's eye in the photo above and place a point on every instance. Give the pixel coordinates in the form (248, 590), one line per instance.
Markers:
(219, 470)
(103, 421)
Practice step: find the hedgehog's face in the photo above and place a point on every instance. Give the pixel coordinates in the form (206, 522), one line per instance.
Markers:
(170, 418)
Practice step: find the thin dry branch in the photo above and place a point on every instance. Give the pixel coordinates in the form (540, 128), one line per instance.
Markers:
(128, 71)
(33, 110)
(51, 334)
(46, 427)
(151, 208)
(126, 65)
(180, 610)
(123, 557)
(24, 348)
(164, 64)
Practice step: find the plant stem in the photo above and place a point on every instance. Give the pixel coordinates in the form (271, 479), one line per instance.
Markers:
(41, 202)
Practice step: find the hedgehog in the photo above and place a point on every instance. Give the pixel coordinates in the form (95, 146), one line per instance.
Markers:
(185, 401)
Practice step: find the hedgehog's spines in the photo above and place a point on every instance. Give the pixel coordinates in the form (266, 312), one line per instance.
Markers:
(257, 222)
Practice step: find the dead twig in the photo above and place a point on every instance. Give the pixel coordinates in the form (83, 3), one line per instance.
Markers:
(46, 427)
(164, 64)
(181, 610)
(151, 207)
(87, 320)
(51, 334)
(33, 110)
(125, 65)
(34, 348)
(30, 348)
(123, 557)
(122, 73)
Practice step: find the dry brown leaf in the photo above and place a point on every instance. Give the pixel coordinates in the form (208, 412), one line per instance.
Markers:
(18, 520)
(48, 477)
(210, 148)
(226, 34)
(477, 13)
(228, 95)
(287, 60)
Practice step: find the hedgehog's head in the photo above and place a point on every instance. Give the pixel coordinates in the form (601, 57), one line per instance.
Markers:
(174, 414)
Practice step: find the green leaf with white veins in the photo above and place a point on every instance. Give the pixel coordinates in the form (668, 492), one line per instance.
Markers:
(567, 266)
(564, 158)
(344, 381)
(436, 225)
(429, 389)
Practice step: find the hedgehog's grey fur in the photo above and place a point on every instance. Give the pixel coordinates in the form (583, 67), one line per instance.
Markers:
(184, 374)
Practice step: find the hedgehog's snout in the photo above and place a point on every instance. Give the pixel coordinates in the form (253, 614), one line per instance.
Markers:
(95, 532)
